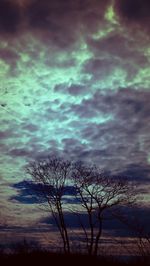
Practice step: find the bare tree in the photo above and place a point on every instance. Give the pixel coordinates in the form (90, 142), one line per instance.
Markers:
(98, 193)
(50, 176)
(95, 192)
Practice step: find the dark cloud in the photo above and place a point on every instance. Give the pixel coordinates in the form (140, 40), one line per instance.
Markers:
(30, 127)
(9, 17)
(51, 14)
(113, 52)
(73, 89)
(76, 89)
(5, 134)
(134, 12)
(9, 56)
(59, 22)
(72, 220)
(30, 193)
(138, 173)
(114, 44)
(117, 46)
(126, 104)
(122, 137)
(135, 9)
(20, 152)
(60, 88)
(70, 141)
(100, 68)
(63, 20)
(110, 223)
(83, 110)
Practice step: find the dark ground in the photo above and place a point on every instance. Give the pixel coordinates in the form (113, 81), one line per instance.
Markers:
(44, 258)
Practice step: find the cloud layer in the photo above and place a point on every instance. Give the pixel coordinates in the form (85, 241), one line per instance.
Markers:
(75, 81)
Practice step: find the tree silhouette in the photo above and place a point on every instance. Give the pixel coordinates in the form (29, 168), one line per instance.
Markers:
(50, 175)
(98, 194)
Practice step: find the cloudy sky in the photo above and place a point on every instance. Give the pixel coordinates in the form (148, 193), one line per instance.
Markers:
(74, 80)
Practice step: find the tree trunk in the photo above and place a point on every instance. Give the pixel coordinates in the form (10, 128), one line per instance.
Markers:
(90, 250)
(64, 230)
(98, 237)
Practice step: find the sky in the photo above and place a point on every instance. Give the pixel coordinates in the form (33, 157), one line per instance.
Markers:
(74, 81)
